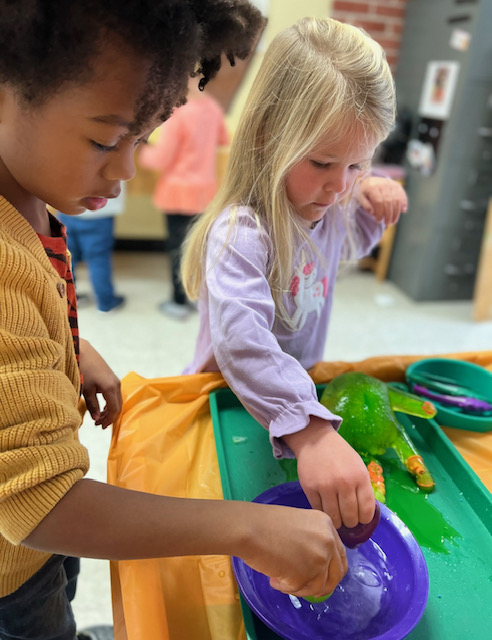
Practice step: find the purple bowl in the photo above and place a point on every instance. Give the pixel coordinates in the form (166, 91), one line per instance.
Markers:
(382, 597)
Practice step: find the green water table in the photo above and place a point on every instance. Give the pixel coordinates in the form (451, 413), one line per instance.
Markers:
(453, 525)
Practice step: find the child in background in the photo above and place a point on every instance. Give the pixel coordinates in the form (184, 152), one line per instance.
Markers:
(186, 157)
(90, 239)
(70, 119)
(298, 196)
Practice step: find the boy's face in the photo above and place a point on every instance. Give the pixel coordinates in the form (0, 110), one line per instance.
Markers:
(73, 151)
(326, 175)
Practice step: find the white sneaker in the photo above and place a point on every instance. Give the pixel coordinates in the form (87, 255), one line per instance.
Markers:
(174, 310)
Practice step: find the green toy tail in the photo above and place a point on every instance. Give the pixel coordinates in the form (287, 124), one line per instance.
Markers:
(415, 406)
(409, 403)
(413, 461)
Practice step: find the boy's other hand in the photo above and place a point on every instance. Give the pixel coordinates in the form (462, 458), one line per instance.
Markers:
(99, 378)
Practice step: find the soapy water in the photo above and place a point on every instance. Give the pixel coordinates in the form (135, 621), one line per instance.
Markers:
(356, 602)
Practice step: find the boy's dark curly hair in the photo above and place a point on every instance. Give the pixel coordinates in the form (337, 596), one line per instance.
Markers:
(46, 43)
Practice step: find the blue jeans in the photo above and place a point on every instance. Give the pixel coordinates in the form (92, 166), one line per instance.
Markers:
(40, 609)
(92, 242)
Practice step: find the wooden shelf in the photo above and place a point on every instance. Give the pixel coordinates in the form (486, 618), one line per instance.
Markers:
(379, 265)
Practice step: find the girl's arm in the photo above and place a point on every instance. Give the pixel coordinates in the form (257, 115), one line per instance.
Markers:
(379, 201)
(272, 384)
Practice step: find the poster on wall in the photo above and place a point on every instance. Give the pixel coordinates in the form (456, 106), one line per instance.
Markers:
(438, 90)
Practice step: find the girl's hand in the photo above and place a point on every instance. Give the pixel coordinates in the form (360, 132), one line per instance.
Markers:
(383, 198)
(332, 474)
(99, 378)
(298, 548)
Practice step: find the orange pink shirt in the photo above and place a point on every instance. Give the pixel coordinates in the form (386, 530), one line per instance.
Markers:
(186, 155)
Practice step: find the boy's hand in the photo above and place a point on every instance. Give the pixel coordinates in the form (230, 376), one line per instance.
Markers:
(383, 198)
(298, 548)
(332, 474)
(99, 378)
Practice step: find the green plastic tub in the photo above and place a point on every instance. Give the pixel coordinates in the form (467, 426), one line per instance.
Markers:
(462, 373)
(453, 525)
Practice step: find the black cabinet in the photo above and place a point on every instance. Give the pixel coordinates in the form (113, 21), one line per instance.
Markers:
(437, 244)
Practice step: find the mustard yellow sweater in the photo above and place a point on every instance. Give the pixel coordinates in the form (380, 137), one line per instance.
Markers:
(40, 455)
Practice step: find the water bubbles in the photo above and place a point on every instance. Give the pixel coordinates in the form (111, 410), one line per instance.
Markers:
(366, 575)
(356, 601)
(295, 601)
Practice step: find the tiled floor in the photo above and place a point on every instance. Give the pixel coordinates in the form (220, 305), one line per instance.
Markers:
(369, 318)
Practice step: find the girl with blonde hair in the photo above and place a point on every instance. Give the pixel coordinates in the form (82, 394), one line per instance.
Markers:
(298, 197)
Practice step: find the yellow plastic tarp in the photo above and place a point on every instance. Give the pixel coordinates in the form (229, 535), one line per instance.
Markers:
(163, 443)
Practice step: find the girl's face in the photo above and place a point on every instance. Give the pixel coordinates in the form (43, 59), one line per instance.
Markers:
(327, 174)
(73, 151)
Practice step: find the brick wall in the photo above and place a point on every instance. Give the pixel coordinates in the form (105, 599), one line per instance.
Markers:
(382, 19)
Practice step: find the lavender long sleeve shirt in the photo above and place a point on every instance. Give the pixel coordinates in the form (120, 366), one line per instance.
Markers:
(263, 361)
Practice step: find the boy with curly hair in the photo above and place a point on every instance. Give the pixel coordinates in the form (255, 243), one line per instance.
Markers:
(81, 85)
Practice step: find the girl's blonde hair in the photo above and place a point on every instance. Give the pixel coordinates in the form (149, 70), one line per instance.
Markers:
(318, 78)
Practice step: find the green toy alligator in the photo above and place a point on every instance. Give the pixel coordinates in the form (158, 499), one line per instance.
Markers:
(370, 426)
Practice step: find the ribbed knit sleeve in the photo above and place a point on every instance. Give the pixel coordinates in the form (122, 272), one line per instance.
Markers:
(40, 455)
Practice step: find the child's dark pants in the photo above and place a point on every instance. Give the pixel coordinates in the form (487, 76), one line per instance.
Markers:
(40, 609)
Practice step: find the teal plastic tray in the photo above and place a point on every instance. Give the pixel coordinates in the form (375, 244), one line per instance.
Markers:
(453, 525)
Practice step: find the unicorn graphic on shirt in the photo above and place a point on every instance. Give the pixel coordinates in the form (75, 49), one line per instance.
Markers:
(308, 293)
